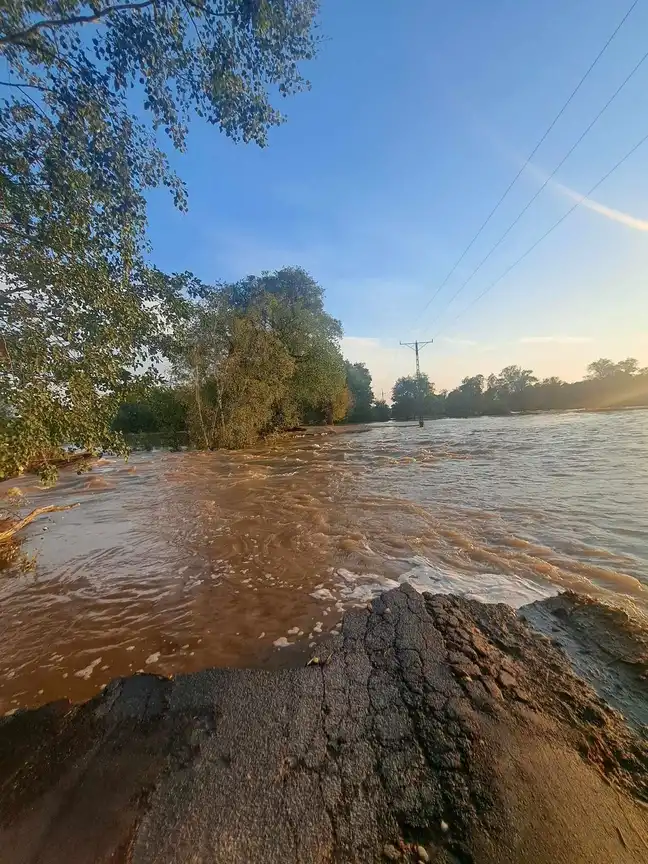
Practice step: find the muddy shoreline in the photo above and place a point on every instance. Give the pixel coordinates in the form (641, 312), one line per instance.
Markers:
(605, 646)
(438, 729)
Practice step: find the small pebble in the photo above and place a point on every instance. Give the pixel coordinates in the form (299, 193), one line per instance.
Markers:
(445, 827)
(422, 854)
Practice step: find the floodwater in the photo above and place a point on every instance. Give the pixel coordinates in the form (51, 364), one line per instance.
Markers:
(175, 562)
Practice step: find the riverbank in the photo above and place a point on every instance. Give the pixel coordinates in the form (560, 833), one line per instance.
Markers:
(433, 728)
(605, 646)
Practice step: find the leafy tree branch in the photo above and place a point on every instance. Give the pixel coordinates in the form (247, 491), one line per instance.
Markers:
(50, 23)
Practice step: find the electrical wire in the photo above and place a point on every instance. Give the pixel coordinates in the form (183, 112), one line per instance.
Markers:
(546, 234)
(532, 153)
(544, 185)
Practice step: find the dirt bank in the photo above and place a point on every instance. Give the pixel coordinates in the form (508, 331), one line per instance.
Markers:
(437, 729)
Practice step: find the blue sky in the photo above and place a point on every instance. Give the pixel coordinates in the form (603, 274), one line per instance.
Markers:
(420, 115)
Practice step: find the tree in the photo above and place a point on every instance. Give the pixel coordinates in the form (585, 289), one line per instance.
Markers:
(162, 413)
(507, 391)
(72, 351)
(466, 400)
(405, 394)
(339, 407)
(514, 379)
(290, 304)
(602, 368)
(381, 412)
(79, 307)
(629, 366)
(233, 374)
(407, 397)
(260, 355)
(218, 58)
(358, 382)
(473, 386)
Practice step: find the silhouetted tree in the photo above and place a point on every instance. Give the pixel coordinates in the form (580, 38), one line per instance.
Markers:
(406, 396)
(608, 385)
(381, 412)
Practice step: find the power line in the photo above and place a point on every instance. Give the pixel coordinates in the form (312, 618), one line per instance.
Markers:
(548, 232)
(546, 183)
(532, 153)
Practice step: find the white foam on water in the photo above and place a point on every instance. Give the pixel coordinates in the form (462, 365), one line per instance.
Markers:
(87, 672)
(323, 594)
(514, 590)
(356, 588)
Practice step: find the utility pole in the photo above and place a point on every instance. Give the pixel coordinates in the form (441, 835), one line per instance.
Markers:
(415, 346)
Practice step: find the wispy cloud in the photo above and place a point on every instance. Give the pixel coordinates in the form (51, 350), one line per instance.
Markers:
(603, 210)
(619, 216)
(556, 340)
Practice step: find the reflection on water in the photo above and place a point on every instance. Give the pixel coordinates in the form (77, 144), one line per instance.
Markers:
(174, 562)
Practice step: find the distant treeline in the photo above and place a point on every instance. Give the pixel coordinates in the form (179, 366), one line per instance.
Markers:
(607, 385)
(238, 377)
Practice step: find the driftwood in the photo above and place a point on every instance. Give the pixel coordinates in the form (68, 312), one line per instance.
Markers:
(8, 533)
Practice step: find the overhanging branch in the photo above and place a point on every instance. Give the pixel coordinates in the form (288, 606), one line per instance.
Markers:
(52, 23)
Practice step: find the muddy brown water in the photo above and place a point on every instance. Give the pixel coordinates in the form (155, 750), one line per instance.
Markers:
(175, 562)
